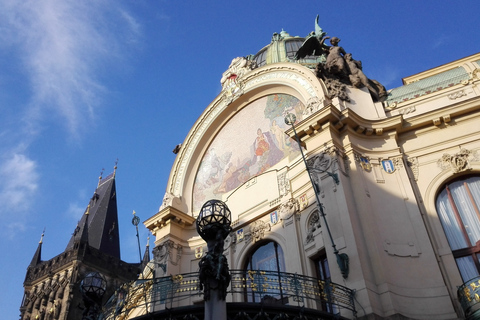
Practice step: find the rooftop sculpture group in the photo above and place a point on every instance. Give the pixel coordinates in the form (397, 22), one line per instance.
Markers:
(339, 68)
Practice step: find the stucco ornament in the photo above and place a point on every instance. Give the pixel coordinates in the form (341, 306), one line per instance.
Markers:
(414, 166)
(232, 85)
(287, 209)
(313, 225)
(167, 201)
(457, 162)
(283, 184)
(257, 231)
(313, 105)
(163, 254)
(319, 165)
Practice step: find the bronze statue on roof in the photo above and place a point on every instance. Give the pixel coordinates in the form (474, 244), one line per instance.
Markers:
(313, 45)
(339, 68)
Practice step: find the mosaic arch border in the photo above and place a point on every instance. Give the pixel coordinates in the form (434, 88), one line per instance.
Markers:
(297, 77)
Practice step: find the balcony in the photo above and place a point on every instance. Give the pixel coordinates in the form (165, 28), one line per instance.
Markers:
(252, 294)
(469, 297)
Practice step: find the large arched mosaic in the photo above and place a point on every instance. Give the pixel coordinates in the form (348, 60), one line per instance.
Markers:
(249, 144)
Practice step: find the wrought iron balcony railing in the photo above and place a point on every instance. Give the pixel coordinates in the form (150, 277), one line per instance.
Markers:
(149, 296)
(469, 297)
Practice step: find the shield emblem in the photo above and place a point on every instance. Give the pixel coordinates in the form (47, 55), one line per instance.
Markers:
(303, 201)
(198, 252)
(240, 235)
(388, 166)
(365, 163)
(274, 217)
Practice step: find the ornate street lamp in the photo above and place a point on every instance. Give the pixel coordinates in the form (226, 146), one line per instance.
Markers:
(213, 225)
(342, 258)
(93, 287)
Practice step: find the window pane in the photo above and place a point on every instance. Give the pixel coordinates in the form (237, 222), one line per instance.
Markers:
(450, 225)
(467, 268)
(466, 209)
(265, 258)
(474, 186)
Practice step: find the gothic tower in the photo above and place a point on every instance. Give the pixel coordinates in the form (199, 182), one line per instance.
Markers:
(52, 287)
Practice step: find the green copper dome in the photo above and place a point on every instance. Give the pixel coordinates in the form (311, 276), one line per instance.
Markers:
(282, 49)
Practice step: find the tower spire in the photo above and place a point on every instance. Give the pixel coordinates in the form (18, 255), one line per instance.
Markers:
(146, 256)
(37, 257)
(99, 224)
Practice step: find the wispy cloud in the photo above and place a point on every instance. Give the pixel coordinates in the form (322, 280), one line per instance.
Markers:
(18, 183)
(59, 51)
(64, 47)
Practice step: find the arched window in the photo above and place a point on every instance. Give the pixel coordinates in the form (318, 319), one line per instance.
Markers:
(458, 207)
(266, 257)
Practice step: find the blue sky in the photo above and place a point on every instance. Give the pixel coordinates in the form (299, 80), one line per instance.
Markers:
(83, 83)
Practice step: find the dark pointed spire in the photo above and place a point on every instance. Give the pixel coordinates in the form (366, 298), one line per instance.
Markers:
(37, 257)
(99, 224)
(146, 256)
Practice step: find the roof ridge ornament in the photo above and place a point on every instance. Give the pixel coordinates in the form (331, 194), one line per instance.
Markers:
(232, 86)
(115, 168)
(100, 177)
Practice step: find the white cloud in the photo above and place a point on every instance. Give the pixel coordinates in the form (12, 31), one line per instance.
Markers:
(64, 46)
(60, 50)
(18, 183)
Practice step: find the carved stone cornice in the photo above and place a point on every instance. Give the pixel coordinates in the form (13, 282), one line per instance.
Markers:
(168, 215)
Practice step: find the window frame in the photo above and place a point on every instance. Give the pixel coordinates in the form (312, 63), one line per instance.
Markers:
(471, 249)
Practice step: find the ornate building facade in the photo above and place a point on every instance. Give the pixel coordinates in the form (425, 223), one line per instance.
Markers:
(373, 213)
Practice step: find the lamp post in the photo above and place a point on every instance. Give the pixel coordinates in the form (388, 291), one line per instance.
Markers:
(93, 287)
(342, 258)
(213, 225)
